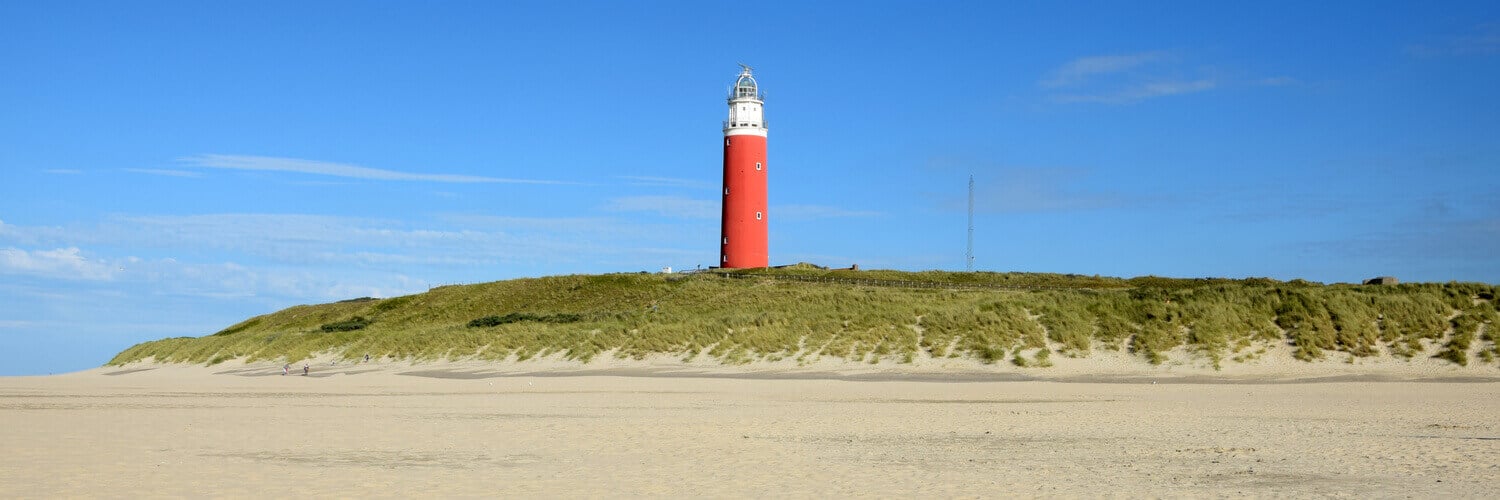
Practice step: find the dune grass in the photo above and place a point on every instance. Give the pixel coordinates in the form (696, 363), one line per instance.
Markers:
(761, 316)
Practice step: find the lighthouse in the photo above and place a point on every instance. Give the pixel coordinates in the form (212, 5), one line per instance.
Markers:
(742, 239)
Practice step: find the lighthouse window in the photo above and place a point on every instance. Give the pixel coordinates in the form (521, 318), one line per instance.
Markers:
(725, 258)
(726, 191)
(726, 240)
(757, 165)
(758, 215)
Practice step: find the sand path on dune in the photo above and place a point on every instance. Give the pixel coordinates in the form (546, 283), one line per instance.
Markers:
(443, 430)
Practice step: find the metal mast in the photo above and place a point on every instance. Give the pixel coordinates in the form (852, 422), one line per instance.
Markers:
(969, 251)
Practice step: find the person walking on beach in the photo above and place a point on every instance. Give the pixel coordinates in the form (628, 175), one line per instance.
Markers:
(286, 368)
(304, 369)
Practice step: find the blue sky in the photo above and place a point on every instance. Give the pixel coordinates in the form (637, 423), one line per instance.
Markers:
(168, 169)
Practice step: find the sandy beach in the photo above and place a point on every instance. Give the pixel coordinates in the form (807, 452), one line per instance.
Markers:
(531, 430)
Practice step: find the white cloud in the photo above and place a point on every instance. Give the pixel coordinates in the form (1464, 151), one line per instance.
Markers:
(672, 182)
(1483, 40)
(274, 164)
(1425, 247)
(301, 239)
(666, 206)
(1079, 70)
(61, 263)
(34, 235)
(1023, 189)
(303, 284)
(63, 171)
(1035, 190)
(226, 280)
(509, 224)
(1131, 78)
(305, 258)
(164, 172)
(1140, 92)
(803, 212)
(1275, 81)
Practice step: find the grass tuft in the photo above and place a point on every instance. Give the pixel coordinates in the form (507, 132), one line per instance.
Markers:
(351, 324)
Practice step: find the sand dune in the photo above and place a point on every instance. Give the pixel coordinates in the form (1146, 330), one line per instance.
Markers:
(464, 429)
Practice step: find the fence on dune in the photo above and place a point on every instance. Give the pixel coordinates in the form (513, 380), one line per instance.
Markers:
(943, 285)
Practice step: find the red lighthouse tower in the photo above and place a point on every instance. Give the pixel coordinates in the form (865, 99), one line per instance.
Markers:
(743, 241)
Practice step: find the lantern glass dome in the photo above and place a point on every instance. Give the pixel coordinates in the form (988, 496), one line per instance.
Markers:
(745, 86)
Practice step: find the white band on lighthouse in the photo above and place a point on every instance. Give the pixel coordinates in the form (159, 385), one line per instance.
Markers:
(746, 107)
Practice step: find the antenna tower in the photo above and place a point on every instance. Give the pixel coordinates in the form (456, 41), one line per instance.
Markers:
(969, 251)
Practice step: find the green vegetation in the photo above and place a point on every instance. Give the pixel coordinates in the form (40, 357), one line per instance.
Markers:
(805, 313)
(355, 323)
(517, 317)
